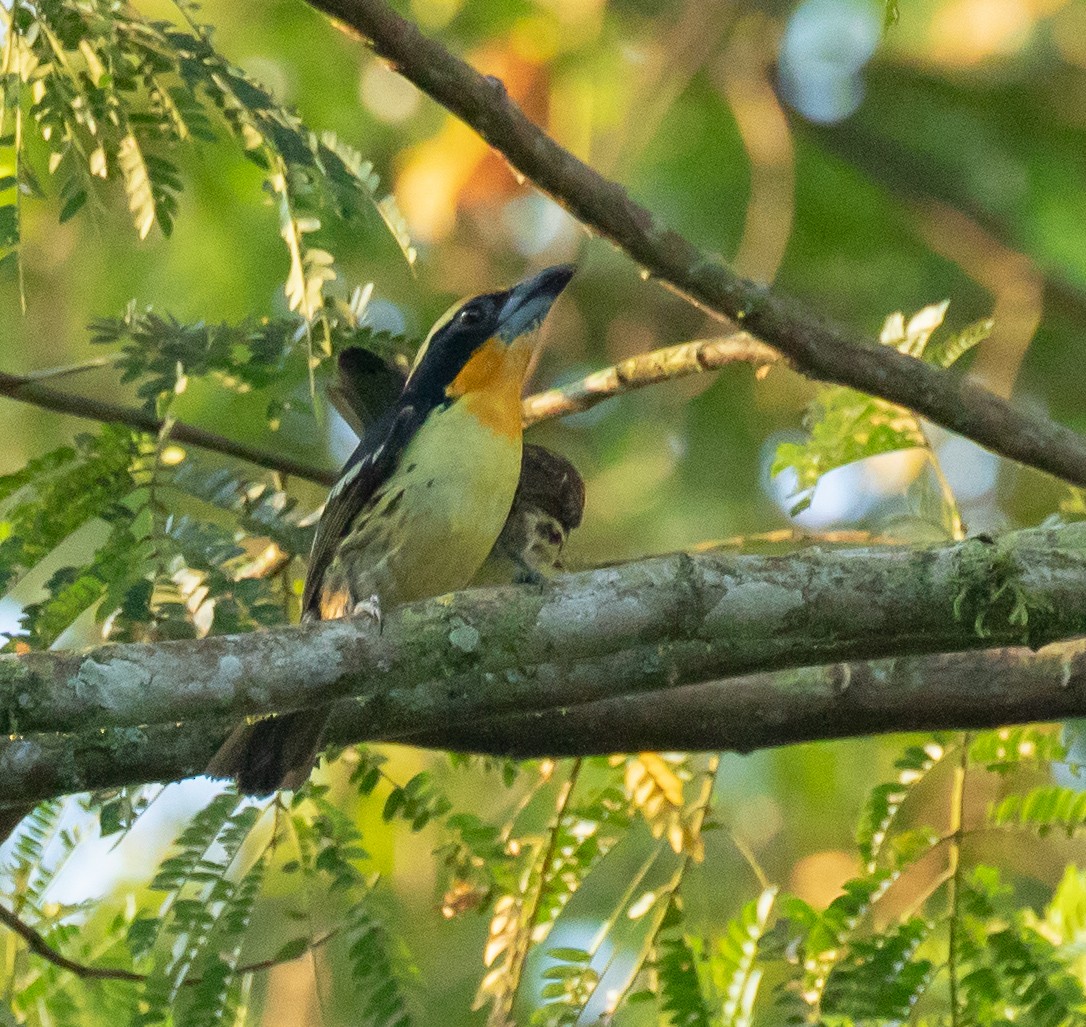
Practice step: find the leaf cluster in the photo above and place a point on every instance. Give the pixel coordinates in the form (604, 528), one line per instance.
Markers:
(163, 563)
(114, 95)
(157, 352)
(844, 426)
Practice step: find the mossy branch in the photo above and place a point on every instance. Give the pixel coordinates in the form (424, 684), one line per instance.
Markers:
(989, 688)
(440, 668)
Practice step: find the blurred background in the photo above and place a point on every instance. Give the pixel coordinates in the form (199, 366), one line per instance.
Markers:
(864, 170)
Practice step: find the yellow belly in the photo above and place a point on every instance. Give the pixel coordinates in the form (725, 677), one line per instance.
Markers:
(431, 526)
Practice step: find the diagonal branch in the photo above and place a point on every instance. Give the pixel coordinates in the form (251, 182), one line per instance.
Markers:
(652, 368)
(814, 348)
(37, 943)
(27, 389)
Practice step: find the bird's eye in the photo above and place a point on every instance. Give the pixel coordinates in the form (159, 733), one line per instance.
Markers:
(470, 316)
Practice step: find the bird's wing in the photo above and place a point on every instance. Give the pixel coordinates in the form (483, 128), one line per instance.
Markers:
(369, 467)
(365, 387)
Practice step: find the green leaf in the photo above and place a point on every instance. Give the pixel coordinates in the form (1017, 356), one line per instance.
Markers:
(845, 425)
(73, 205)
(1004, 749)
(292, 950)
(111, 89)
(114, 816)
(142, 933)
(378, 977)
(1042, 809)
(9, 225)
(735, 957)
(957, 345)
(1065, 915)
(570, 955)
(885, 800)
(880, 979)
(681, 997)
(1013, 968)
(26, 861)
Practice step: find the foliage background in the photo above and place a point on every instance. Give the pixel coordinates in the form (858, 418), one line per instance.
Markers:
(943, 159)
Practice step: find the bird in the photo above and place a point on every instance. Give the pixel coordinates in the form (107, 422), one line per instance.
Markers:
(419, 505)
(550, 497)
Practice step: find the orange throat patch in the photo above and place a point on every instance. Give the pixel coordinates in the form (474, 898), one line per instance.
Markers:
(491, 382)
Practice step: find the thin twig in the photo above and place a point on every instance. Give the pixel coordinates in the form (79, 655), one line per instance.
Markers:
(268, 964)
(742, 846)
(27, 390)
(67, 370)
(651, 368)
(814, 348)
(669, 893)
(309, 904)
(957, 832)
(796, 538)
(546, 858)
(660, 365)
(37, 944)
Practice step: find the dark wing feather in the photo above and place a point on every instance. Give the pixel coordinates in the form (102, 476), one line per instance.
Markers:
(369, 467)
(365, 387)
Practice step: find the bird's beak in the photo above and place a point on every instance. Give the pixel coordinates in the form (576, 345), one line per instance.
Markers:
(527, 304)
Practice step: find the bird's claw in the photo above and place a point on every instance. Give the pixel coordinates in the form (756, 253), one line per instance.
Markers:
(526, 574)
(370, 608)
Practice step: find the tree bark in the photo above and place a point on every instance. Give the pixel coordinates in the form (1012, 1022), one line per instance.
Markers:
(983, 689)
(439, 668)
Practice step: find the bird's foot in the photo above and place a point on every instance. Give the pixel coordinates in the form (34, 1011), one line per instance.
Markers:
(370, 608)
(526, 574)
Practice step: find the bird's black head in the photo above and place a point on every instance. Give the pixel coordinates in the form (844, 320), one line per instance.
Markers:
(501, 318)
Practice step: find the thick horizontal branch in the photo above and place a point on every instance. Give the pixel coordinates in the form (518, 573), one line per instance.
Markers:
(658, 623)
(27, 389)
(844, 700)
(944, 692)
(814, 348)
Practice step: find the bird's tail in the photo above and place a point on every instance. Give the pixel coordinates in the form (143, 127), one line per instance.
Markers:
(278, 752)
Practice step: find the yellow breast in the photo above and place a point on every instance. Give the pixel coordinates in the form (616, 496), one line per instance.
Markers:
(431, 526)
